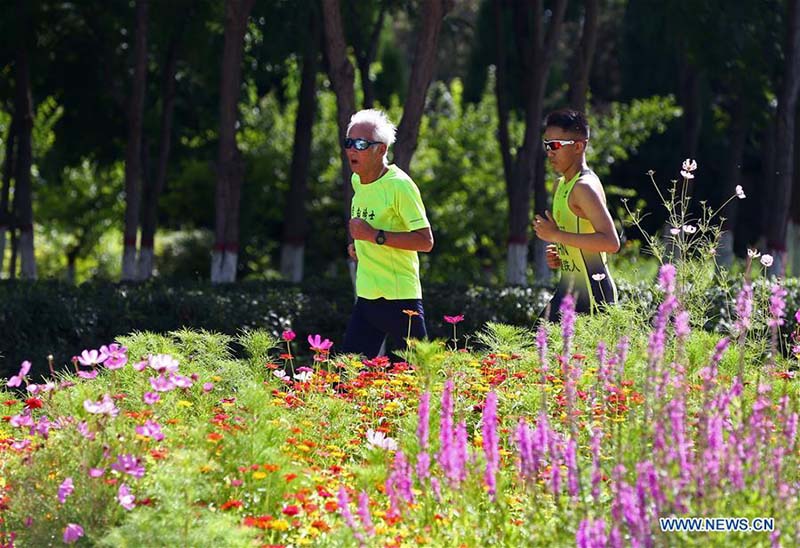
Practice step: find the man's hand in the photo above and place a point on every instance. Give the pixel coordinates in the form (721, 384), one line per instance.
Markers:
(361, 230)
(546, 229)
(551, 256)
(351, 250)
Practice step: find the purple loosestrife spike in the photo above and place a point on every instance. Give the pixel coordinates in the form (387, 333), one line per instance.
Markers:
(423, 466)
(446, 429)
(404, 478)
(524, 440)
(568, 317)
(460, 453)
(424, 419)
(344, 508)
(666, 278)
(541, 345)
(777, 305)
(597, 474)
(571, 459)
(490, 443)
(363, 513)
(744, 308)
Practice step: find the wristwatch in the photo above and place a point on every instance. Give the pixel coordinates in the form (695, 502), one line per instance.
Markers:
(380, 237)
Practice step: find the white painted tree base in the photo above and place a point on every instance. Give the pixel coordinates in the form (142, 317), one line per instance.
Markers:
(223, 267)
(27, 256)
(292, 262)
(144, 268)
(128, 264)
(517, 264)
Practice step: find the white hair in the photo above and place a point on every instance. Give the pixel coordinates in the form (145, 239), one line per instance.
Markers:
(383, 130)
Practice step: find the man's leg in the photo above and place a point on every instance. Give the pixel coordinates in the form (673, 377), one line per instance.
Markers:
(395, 323)
(362, 336)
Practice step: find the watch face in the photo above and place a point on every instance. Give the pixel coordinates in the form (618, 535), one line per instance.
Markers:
(380, 238)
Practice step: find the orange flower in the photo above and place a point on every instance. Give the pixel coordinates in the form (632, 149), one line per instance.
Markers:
(410, 313)
(232, 503)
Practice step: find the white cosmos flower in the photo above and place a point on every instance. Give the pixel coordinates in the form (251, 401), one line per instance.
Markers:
(740, 192)
(687, 175)
(305, 376)
(280, 373)
(766, 260)
(689, 229)
(599, 277)
(689, 165)
(753, 253)
(381, 440)
(674, 231)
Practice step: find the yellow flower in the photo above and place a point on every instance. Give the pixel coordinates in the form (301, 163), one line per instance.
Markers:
(184, 403)
(216, 378)
(279, 525)
(259, 475)
(205, 469)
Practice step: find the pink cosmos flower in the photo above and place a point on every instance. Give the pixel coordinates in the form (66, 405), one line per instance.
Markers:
(129, 464)
(117, 356)
(140, 366)
(454, 319)
(208, 386)
(318, 344)
(150, 398)
(179, 381)
(72, 532)
(83, 429)
(65, 489)
(150, 429)
(90, 358)
(288, 335)
(21, 420)
(105, 406)
(162, 383)
(87, 374)
(21, 444)
(17, 379)
(164, 362)
(125, 497)
(96, 472)
(381, 440)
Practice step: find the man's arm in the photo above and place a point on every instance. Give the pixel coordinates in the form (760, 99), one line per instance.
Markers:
(416, 240)
(588, 200)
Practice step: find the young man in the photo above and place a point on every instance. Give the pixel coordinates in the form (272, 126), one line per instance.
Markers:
(389, 226)
(580, 228)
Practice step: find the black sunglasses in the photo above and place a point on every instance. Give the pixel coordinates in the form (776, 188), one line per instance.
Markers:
(359, 144)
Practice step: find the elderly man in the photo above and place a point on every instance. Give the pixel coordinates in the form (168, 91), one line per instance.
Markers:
(388, 226)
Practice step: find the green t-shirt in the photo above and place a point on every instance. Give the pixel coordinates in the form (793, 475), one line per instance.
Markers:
(391, 203)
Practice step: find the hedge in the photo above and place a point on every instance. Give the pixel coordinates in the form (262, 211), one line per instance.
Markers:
(50, 317)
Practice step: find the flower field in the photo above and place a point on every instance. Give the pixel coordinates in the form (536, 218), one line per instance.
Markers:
(583, 433)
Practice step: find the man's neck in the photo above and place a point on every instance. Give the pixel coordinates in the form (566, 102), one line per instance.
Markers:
(373, 176)
(574, 169)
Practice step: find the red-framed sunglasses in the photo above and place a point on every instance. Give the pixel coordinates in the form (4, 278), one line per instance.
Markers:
(556, 144)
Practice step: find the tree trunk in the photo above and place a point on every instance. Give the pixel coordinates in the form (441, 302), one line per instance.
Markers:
(230, 166)
(690, 101)
(155, 187)
(784, 141)
(433, 12)
(537, 47)
(738, 130)
(365, 58)
(584, 55)
(5, 193)
(793, 230)
(341, 74)
(294, 224)
(133, 153)
(23, 191)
